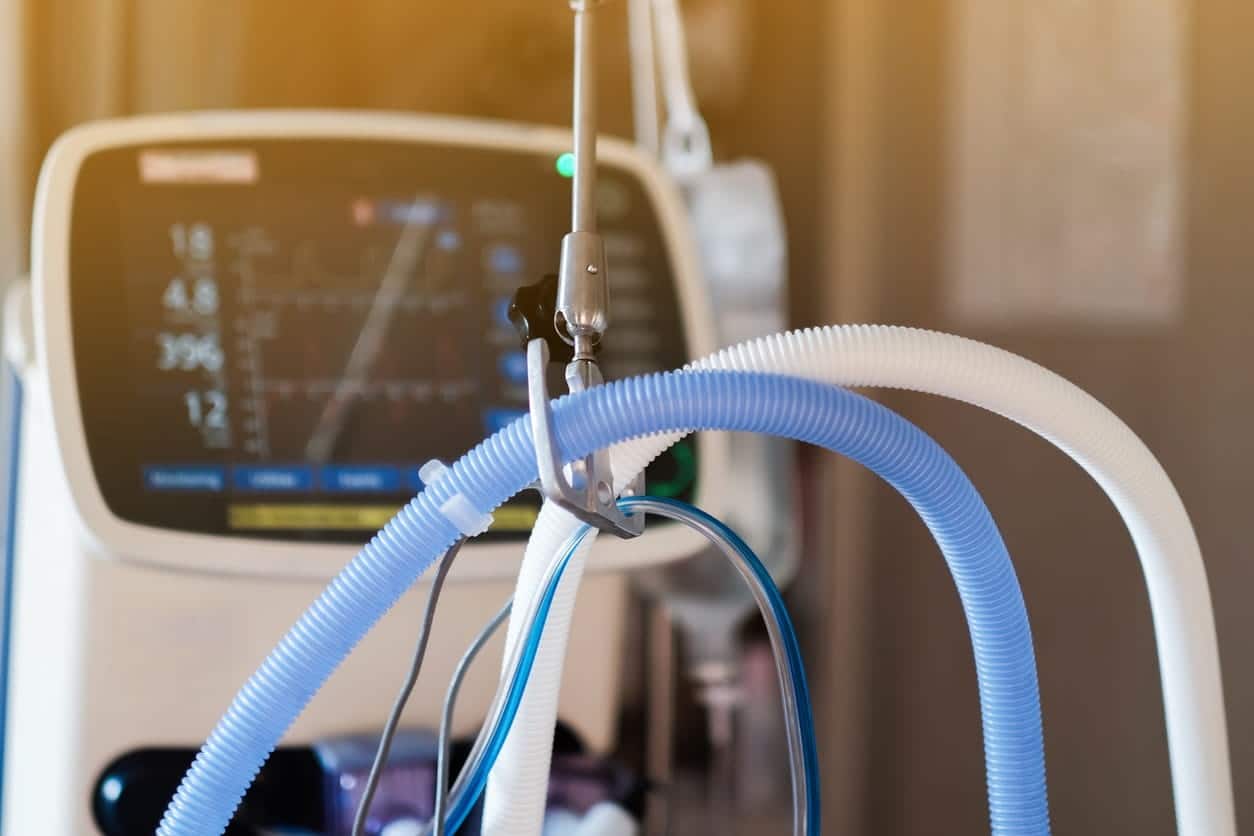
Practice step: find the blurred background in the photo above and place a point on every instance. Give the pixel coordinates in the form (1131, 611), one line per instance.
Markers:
(1072, 180)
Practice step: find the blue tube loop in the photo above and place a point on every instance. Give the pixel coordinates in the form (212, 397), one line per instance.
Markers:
(796, 691)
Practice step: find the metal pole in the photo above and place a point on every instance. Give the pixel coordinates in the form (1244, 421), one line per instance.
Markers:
(583, 211)
(583, 291)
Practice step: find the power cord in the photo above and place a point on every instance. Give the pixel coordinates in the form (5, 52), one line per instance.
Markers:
(407, 688)
(446, 717)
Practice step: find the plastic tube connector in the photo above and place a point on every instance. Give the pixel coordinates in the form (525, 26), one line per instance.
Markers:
(470, 521)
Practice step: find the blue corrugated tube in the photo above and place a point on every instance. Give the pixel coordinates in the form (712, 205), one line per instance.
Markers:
(504, 464)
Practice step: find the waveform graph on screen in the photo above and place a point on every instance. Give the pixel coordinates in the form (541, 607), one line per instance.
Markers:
(340, 361)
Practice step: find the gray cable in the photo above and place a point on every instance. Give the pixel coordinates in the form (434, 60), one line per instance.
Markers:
(446, 718)
(495, 712)
(407, 688)
(775, 630)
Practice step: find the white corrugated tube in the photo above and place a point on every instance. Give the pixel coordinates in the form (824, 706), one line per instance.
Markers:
(1001, 382)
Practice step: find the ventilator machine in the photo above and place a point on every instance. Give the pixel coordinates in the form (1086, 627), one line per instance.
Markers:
(280, 382)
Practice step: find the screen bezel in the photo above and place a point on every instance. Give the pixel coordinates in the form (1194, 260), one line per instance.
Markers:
(233, 554)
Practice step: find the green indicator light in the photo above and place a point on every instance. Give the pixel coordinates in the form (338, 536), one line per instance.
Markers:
(685, 474)
(566, 165)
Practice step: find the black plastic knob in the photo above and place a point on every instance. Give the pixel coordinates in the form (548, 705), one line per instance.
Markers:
(532, 311)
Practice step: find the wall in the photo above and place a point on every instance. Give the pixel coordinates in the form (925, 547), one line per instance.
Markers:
(1183, 384)
(12, 152)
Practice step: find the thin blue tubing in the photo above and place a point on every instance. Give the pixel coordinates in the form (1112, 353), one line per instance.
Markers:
(504, 464)
(463, 803)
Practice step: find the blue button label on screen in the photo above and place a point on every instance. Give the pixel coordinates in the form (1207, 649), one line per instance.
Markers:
(448, 240)
(190, 478)
(504, 258)
(361, 479)
(513, 367)
(495, 420)
(266, 478)
(500, 312)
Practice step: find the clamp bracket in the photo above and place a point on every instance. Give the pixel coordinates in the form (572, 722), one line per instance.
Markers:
(588, 491)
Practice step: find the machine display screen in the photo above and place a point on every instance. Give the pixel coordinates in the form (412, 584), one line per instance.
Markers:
(271, 337)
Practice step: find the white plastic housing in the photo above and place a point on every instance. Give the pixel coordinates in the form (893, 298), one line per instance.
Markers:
(126, 636)
(179, 550)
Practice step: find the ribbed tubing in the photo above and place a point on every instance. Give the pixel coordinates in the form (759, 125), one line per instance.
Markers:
(1101, 443)
(1011, 386)
(502, 465)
